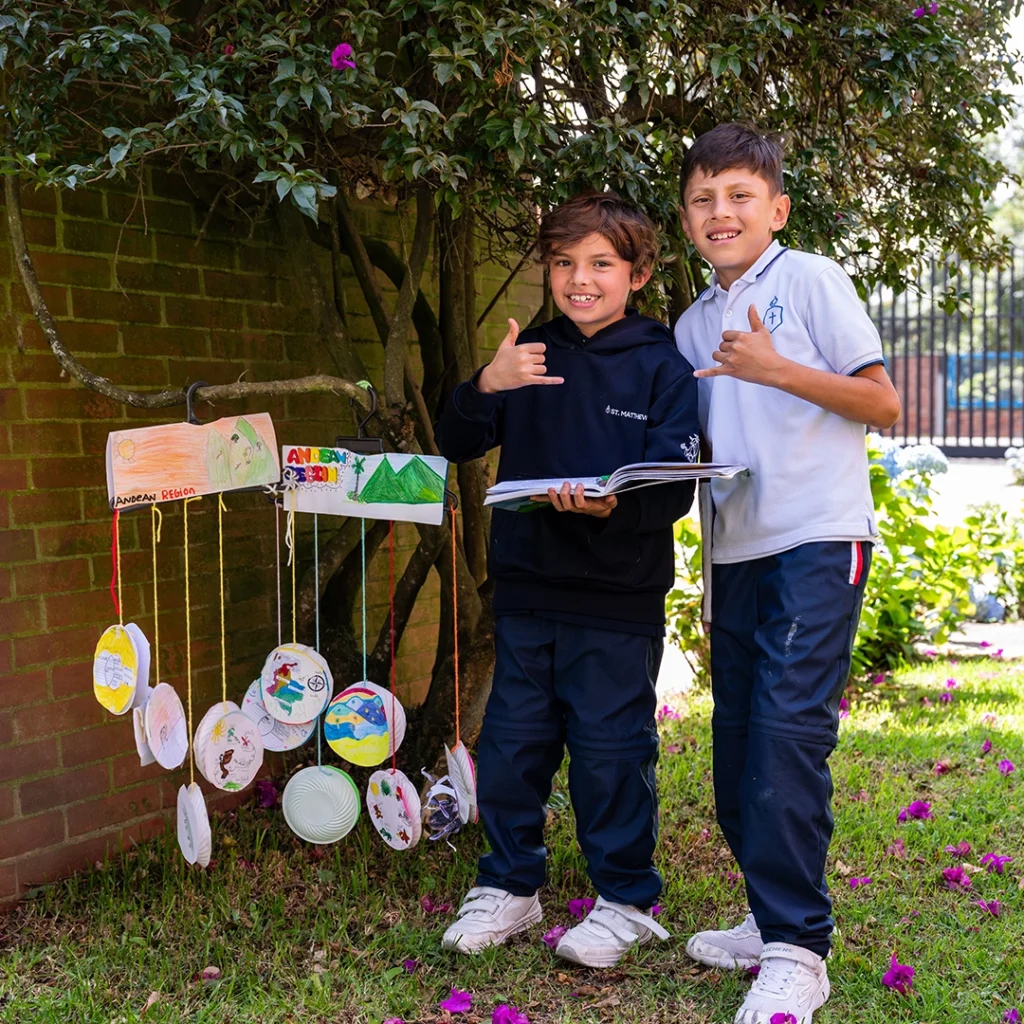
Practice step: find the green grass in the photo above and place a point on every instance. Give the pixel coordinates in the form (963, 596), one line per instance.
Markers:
(315, 935)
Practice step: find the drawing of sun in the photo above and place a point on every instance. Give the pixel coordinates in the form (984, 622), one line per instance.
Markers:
(125, 449)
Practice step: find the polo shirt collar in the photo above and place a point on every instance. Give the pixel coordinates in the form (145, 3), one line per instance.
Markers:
(752, 272)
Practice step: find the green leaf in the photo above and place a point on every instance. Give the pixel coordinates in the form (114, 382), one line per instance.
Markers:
(284, 186)
(304, 197)
(162, 32)
(118, 153)
(306, 94)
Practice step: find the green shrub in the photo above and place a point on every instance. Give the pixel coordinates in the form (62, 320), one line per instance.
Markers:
(998, 538)
(683, 603)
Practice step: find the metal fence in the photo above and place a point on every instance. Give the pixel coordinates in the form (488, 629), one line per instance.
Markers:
(960, 375)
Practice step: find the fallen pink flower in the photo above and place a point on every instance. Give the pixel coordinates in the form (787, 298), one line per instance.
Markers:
(992, 907)
(1012, 1016)
(951, 684)
(507, 1014)
(394, 1020)
(878, 680)
(580, 908)
(430, 907)
(655, 910)
(734, 877)
(859, 883)
(995, 862)
(946, 698)
(997, 654)
(960, 850)
(1006, 766)
(926, 702)
(931, 654)
(783, 1018)
(984, 643)
(705, 833)
(897, 850)
(341, 57)
(754, 970)
(410, 966)
(673, 748)
(899, 977)
(457, 1002)
(265, 793)
(919, 810)
(942, 767)
(989, 718)
(552, 937)
(986, 747)
(667, 712)
(956, 878)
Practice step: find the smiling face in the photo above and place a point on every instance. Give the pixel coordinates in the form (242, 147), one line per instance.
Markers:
(730, 218)
(591, 282)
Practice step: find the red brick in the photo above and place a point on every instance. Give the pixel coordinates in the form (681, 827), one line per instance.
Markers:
(158, 277)
(10, 404)
(45, 438)
(23, 688)
(130, 371)
(39, 199)
(20, 616)
(8, 885)
(85, 237)
(47, 865)
(17, 546)
(63, 268)
(54, 646)
(218, 314)
(81, 202)
(13, 475)
(57, 716)
(30, 369)
(6, 583)
(68, 680)
(177, 249)
(128, 771)
(25, 834)
(276, 318)
(75, 539)
(113, 809)
(80, 609)
(55, 296)
(135, 309)
(115, 736)
(64, 788)
(6, 730)
(69, 472)
(254, 287)
(40, 231)
(151, 213)
(70, 403)
(246, 345)
(148, 828)
(6, 803)
(49, 507)
(167, 341)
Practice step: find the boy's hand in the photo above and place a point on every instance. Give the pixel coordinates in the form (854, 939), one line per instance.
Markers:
(515, 366)
(569, 500)
(746, 355)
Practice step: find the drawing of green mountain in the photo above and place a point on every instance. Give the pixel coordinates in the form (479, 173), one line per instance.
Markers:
(414, 484)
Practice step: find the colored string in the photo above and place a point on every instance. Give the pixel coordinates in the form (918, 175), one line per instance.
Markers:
(188, 639)
(221, 509)
(115, 566)
(316, 605)
(277, 562)
(362, 533)
(156, 520)
(391, 601)
(292, 559)
(455, 618)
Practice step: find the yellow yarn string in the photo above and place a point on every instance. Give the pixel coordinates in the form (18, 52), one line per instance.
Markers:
(117, 548)
(295, 635)
(188, 641)
(157, 520)
(223, 636)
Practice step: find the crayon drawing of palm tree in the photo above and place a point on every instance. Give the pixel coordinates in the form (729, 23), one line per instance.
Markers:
(357, 468)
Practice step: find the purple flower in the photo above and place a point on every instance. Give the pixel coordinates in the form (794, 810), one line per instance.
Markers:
(933, 8)
(951, 684)
(960, 850)
(918, 12)
(942, 767)
(844, 712)
(946, 697)
(430, 907)
(986, 746)
(1006, 766)
(754, 970)
(879, 679)
(580, 908)
(1012, 1016)
(228, 49)
(858, 883)
(984, 643)
(992, 907)
(266, 793)
(410, 966)
(655, 910)
(783, 1018)
(673, 748)
(899, 977)
(667, 712)
(926, 702)
(956, 878)
(341, 57)
(989, 718)
(920, 810)
(457, 1002)
(734, 877)
(995, 862)
(506, 1014)
(552, 937)
(394, 1020)
(897, 850)
(931, 654)
(997, 654)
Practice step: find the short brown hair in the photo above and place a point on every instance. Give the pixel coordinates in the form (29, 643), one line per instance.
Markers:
(630, 231)
(731, 145)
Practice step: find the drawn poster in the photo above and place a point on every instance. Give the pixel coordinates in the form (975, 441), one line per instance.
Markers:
(335, 481)
(179, 460)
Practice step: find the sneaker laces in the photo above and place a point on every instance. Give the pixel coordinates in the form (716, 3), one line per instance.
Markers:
(748, 926)
(775, 978)
(482, 901)
(613, 920)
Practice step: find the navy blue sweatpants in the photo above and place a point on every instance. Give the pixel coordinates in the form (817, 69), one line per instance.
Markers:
(782, 631)
(558, 684)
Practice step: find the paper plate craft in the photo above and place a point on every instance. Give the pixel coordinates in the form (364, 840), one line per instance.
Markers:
(358, 725)
(141, 743)
(142, 649)
(296, 683)
(462, 775)
(234, 751)
(194, 836)
(321, 804)
(166, 731)
(172, 461)
(201, 739)
(340, 482)
(115, 669)
(394, 808)
(277, 736)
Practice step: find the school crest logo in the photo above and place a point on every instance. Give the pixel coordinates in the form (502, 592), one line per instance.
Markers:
(772, 318)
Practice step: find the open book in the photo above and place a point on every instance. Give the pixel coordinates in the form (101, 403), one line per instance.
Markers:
(515, 495)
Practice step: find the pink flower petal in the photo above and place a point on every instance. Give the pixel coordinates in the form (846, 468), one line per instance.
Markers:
(457, 1002)
(580, 908)
(899, 977)
(341, 56)
(552, 937)
(1006, 766)
(506, 1014)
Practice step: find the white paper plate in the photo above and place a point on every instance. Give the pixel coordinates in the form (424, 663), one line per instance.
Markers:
(166, 729)
(277, 736)
(142, 688)
(296, 683)
(141, 743)
(201, 738)
(234, 751)
(360, 727)
(321, 804)
(394, 808)
(194, 837)
(462, 773)
(115, 669)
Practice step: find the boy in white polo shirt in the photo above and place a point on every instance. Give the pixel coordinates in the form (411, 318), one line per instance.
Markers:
(791, 372)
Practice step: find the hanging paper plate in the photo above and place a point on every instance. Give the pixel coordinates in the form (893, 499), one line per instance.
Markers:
(166, 731)
(462, 774)
(234, 751)
(394, 808)
(277, 736)
(201, 738)
(115, 669)
(141, 743)
(194, 836)
(296, 683)
(321, 804)
(359, 725)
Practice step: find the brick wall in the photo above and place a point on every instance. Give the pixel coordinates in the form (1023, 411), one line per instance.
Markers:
(139, 300)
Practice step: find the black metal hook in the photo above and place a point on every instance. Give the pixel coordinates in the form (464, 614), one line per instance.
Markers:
(450, 500)
(190, 391)
(363, 443)
(361, 427)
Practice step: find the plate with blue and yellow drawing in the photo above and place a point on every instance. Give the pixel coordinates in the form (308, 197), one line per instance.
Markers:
(295, 684)
(364, 724)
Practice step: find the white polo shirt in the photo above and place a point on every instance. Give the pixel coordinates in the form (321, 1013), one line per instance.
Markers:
(808, 478)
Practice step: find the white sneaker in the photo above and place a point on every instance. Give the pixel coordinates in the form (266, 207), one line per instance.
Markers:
(488, 917)
(729, 950)
(608, 931)
(792, 981)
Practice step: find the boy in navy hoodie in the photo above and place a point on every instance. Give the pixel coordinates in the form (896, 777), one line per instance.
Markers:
(580, 585)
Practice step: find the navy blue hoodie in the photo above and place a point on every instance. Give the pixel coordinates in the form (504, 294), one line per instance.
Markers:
(628, 396)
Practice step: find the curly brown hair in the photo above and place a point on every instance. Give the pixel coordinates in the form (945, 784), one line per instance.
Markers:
(630, 231)
(731, 145)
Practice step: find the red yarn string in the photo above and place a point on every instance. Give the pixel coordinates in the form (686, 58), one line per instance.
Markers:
(391, 598)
